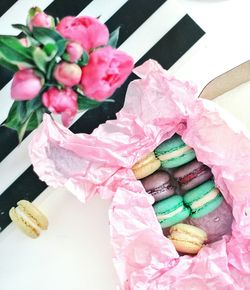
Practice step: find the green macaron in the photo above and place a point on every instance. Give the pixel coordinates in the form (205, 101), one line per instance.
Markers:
(203, 199)
(174, 152)
(171, 211)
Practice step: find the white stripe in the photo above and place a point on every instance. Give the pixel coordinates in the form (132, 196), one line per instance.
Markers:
(17, 13)
(136, 45)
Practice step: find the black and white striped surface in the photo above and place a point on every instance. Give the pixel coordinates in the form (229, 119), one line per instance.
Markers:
(149, 29)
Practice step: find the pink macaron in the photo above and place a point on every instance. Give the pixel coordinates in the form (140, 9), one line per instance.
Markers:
(192, 175)
(158, 185)
(216, 224)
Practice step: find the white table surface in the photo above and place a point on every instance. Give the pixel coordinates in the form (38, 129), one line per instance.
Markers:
(75, 253)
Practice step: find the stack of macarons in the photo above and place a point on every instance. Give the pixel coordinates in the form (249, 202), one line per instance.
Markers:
(183, 189)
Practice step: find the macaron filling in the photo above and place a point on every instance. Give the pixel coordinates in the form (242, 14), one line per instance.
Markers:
(144, 161)
(174, 154)
(186, 237)
(28, 220)
(160, 189)
(162, 217)
(195, 173)
(205, 199)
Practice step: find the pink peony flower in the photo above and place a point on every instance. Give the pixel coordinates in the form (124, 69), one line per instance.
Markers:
(25, 85)
(88, 31)
(41, 19)
(74, 50)
(107, 69)
(68, 74)
(63, 102)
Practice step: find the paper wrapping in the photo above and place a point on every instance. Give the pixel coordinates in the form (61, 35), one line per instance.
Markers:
(156, 106)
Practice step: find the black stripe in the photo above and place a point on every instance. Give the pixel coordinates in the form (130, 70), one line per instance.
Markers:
(27, 186)
(58, 8)
(169, 49)
(62, 8)
(5, 5)
(130, 16)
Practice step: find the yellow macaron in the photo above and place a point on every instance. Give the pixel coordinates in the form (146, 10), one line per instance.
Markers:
(28, 218)
(187, 239)
(146, 166)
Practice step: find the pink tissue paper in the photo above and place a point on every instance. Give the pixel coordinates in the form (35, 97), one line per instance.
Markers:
(156, 106)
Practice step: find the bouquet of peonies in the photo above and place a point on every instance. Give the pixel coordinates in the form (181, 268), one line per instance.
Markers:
(62, 66)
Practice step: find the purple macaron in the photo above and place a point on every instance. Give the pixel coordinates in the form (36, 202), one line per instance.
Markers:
(216, 224)
(158, 185)
(192, 175)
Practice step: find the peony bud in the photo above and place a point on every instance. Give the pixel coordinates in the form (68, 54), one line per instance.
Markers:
(74, 50)
(63, 102)
(24, 41)
(41, 19)
(68, 74)
(25, 85)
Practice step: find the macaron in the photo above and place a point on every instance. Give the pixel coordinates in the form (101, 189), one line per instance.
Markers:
(28, 218)
(192, 174)
(187, 239)
(216, 224)
(158, 185)
(171, 211)
(174, 152)
(203, 199)
(146, 166)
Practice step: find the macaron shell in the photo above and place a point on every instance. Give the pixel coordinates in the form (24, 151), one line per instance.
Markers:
(168, 205)
(187, 239)
(158, 185)
(181, 216)
(195, 174)
(34, 213)
(178, 161)
(196, 181)
(216, 224)
(169, 145)
(22, 225)
(208, 207)
(186, 247)
(146, 166)
(198, 192)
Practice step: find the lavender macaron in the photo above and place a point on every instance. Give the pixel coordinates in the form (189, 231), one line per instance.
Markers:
(192, 175)
(216, 224)
(158, 185)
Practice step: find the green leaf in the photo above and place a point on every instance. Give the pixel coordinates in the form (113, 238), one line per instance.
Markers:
(35, 119)
(25, 29)
(46, 35)
(14, 44)
(84, 59)
(21, 111)
(8, 65)
(113, 37)
(12, 120)
(12, 51)
(50, 69)
(51, 50)
(25, 116)
(61, 45)
(85, 103)
(40, 58)
(33, 105)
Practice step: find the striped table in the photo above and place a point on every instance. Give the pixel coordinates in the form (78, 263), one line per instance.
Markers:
(76, 250)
